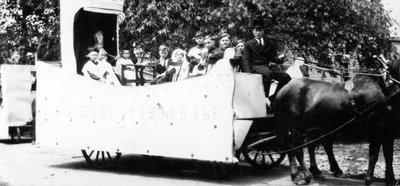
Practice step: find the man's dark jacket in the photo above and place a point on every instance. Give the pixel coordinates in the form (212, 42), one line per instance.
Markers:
(256, 54)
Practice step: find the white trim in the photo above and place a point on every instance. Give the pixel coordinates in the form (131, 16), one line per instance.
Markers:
(102, 10)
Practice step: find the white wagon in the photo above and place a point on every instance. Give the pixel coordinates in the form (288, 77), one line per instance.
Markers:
(205, 118)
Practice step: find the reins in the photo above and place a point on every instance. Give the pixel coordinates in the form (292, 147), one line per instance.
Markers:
(340, 127)
(333, 68)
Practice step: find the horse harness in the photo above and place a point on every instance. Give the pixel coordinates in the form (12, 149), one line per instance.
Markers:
(357, 117)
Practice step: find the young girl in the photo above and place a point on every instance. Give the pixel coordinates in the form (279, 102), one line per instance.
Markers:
(182, 71)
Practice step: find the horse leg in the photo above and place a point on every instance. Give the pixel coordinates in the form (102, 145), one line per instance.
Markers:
(374, 148)
(301, 175)
(388, 154)
(293, 165)
(304, 176)
(317, 174)
(335, 169)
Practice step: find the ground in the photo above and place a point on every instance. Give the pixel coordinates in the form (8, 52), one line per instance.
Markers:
(353, 160)
(24, 164)
(27, 164)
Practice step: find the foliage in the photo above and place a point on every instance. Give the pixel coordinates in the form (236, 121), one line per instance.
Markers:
(310, 28)
(32, 25)
(151, 23)
(315, 27)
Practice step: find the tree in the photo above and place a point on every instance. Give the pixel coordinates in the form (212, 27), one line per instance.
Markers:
(32, 25)
(312, 27)
(309, 28)
(154, 22)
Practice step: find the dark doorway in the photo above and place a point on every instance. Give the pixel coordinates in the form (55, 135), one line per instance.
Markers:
(86, 24)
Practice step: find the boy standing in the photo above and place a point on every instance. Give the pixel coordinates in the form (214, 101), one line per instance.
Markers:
(195, 53)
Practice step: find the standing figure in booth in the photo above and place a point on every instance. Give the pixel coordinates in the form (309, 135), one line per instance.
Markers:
(99, 40)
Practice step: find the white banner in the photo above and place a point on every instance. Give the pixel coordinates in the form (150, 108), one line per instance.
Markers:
(16, 110)
(190, 119)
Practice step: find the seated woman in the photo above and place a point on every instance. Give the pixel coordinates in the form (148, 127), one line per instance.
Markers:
(182, 71)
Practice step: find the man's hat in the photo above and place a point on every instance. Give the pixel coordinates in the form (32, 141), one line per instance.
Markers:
(224, 34)
(212, 37)
(199, 34)
(258, 23)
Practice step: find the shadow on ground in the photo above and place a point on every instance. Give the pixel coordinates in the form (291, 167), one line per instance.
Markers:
(242, 174)
(15, 142)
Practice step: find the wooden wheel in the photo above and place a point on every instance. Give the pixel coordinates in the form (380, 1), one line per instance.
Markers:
(101, 159)
(259, 151)
(215, 170)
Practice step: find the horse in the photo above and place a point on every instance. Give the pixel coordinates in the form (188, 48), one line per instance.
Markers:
(305, 104)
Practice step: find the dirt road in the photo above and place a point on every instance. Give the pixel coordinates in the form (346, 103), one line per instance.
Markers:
(25, 164)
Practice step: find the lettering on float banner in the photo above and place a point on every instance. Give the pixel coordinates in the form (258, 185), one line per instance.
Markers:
(146, 113)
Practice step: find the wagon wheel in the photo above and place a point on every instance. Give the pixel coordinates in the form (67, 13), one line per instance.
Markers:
(214, 169)
(257, 151)
(101, 159)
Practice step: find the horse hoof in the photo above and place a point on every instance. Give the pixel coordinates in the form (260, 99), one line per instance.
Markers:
(301, 182)
(339, 175)
(368, 180)
(302, 178)
(319, 176)
(391, 182)
(389, 179)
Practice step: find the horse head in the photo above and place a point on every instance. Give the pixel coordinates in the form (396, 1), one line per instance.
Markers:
(368, 88)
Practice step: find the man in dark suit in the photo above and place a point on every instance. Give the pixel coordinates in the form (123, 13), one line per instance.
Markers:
(260, 57)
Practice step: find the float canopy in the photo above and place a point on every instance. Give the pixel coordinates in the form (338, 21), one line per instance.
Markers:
(79, 20)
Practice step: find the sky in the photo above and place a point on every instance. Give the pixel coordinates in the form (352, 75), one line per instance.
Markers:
(394, 7)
